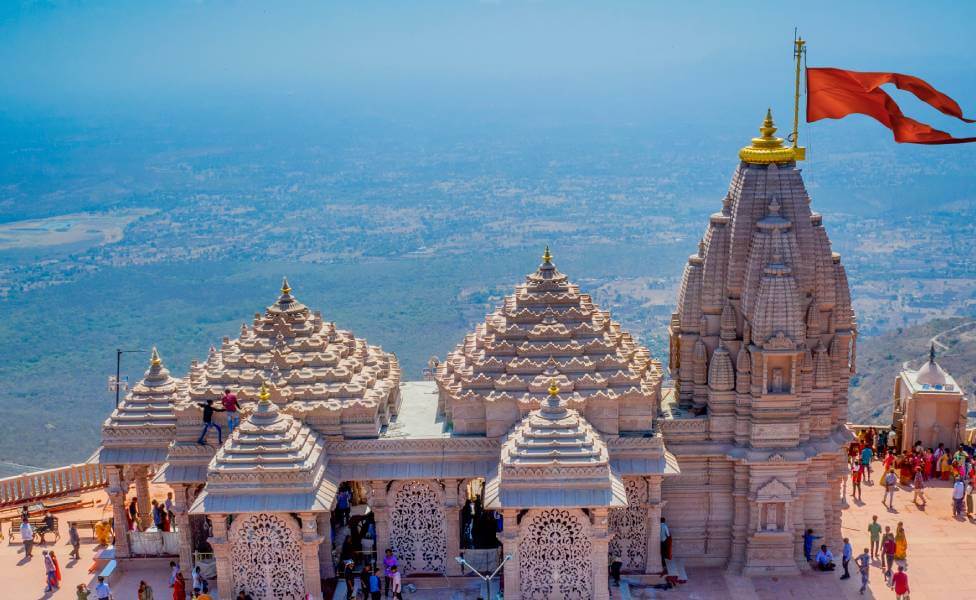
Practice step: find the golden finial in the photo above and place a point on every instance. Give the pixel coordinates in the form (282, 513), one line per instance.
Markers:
(767, 148)
(285, 288)
(547, 256)
(154, 360)
(553, 388)
(264, 395)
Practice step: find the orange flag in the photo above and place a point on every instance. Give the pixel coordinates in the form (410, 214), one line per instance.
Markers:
(836, 93)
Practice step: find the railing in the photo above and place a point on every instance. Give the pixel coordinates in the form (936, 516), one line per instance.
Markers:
(60, 481)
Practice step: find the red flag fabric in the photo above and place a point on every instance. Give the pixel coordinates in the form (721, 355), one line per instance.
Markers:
(836, 93)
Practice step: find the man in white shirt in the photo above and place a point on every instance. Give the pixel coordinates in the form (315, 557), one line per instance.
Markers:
(102, 591)
(825, 559)
(958, 493)
(27, 537)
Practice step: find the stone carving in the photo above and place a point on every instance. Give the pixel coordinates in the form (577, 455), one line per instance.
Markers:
(555, 556)
(629, 527)
(266, 557)
(417, 533)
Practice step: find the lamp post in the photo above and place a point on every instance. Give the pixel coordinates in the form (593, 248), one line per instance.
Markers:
(117, 383)
(486, 578)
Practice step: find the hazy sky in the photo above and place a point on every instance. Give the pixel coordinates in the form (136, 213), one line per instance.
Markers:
(715, 56)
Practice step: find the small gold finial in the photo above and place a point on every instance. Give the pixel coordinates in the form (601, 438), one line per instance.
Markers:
(285, 288)
(767, 148)
(264, 395)
(553, 388)
(547, 256)
(154, 360)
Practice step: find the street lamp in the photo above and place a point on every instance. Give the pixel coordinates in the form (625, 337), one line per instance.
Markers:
(117, 383)
(486, 578)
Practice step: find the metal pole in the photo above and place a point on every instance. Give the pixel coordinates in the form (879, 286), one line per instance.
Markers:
(118, 374)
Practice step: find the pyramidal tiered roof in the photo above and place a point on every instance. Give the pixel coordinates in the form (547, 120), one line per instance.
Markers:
(306, 360)
(547, 330)
(272, 461)
(552, 458)
(144, 421)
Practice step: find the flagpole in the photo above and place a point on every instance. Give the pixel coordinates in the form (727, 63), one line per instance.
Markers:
(799, 48)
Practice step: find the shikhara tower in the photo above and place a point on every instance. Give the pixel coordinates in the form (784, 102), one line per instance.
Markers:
(762, 350)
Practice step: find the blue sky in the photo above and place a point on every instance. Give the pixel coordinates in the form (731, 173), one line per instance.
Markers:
(654, 62)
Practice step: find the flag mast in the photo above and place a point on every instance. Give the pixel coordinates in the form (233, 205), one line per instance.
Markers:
(799, 49)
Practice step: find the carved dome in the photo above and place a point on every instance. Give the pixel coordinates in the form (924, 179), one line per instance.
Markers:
(145, 417)
(931, 374)
(308, 360)
(547, 330)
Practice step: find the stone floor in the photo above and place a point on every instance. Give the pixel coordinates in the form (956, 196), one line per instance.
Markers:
(940, 559)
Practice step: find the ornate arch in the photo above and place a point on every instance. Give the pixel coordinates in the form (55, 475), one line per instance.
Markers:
(266, 557)
(629, 527)
(417, 531)
(555, 555)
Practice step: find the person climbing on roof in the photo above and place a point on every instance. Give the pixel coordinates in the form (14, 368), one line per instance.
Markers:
(229, 400)
(208, 411)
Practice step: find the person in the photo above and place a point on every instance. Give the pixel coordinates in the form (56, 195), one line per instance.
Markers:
(198, 580)
(342, 505)
(179, 587)
(891, 484)
(27, 537)
(856, 472)
(133, 512)
(157, 515)
(846, 556)
(241, 595)
(944, 465)
(397, 584)
(825, 559)
(615, 565)
(374, 585)
(57, 569)
(82, 592)
(919, 486)
(958, 493)
(75, 540)
(969, 498)
(866, 456)
(888, 550)
(145, 592)
(808, 539)
(52, 582)
(204, 595)
(174, 570)
(864, 567)
(901, 542)
(900, 583)
(665, 544)
(102, 591)
(229, 401)
(874, 528)
(168, 504)
(389, 563)
(364, 580)
(349, 575)
(208, 411)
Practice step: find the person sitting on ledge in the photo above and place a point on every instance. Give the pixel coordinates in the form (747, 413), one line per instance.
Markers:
(825, 560)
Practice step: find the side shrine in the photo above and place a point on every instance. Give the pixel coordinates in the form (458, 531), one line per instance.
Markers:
(545, 444)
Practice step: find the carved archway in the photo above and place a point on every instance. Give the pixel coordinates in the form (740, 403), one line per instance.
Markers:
(555, 555)
(266, 557)
(628, 526)
(417, 532)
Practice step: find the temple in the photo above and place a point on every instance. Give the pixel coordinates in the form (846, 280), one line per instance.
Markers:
(928, 407)
(548, 419)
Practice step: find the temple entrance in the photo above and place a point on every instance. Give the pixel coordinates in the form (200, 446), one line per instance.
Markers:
(555, 555)
(628, 526)
(353, 527)
(479, 527)
(417, 526)
(266, 557)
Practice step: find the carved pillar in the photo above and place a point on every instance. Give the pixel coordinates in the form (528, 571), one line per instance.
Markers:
(652, 560)
(310, 554)
(381, 514)
(116, 493)
(452, 513)
(509, 538)
(180, 507)
(221, 549)
(142, 496)
(326, 564)
(600, 538)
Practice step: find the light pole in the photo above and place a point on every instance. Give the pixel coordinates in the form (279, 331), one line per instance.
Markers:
(486, 578)
(117, 383)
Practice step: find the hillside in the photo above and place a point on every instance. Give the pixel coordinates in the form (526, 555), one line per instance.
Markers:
(880, 358)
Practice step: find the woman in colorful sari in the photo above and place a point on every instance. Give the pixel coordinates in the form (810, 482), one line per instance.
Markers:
(929, 459)
(944, 468)
(901, 543)
(905, 469)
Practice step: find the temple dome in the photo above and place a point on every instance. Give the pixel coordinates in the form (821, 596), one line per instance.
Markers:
(309, 362)
(547, 330)
(931, 374)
